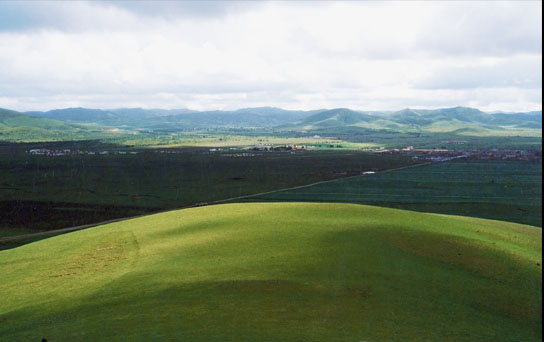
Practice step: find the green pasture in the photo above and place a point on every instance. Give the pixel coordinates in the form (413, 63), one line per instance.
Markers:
(502, 190)
(391, 139)
(337, 138)
(278, 272)
(224, 139)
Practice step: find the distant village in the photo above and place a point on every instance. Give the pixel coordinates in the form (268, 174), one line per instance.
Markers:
(492, 154)
(69, 152)
(436, 155)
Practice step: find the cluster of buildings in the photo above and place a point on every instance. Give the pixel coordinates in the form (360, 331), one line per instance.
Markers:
(416, 153)
(230, 148)
(491, 154)
(496, 154)
(69, 152)
(237, 155)
(48, 152)
(283, 148)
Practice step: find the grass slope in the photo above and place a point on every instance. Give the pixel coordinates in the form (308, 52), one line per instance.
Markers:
(176, 119)
(460, 120)
(19, 127)
(278, 272)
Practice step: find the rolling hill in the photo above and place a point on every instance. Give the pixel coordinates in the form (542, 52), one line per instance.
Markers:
(16, 126)
(278, 272)
(176, 119)
(347, 124)
(459, 120)
(10, 118)
(462, 120)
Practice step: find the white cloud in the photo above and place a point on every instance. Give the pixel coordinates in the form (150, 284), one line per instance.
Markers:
(483, 28)
(521, 71)
(298, 55)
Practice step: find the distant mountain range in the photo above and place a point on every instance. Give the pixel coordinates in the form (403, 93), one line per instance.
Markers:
(177, 119)
(453, 120)
(70, 122)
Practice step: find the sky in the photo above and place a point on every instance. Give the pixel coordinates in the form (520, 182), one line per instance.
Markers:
(210, 55)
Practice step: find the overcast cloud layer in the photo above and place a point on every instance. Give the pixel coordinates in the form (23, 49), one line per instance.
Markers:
(301, 55)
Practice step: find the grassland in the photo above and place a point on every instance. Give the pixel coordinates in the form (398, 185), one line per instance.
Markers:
(278, 272)
(502, 190)
(336, 138)
(432, 140)
(223, 139)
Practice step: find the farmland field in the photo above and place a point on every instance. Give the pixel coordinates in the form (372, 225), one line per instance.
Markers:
(43, 192)
(501, 190)
(278, 272)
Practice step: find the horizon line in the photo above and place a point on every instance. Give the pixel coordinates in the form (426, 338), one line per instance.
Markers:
(273, 107)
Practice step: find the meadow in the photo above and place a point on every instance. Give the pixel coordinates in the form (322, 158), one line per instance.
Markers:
(390, 139)
(236, 138)
(501, 190)
(278, 272)
(332, 138)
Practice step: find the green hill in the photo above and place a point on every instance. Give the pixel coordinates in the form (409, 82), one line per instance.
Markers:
(278, 272)
(458, 120)
(176, 119)
(16, 126)
(10, 118)
(336, 117)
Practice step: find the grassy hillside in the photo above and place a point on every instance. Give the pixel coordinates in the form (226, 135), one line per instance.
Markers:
(160, 120)
(278, 272)
(19, 127)
(415, 127)
(458, 120)
(10, 118)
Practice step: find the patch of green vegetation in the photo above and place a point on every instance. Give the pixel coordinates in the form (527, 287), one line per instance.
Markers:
(139, 127)
(19, 127)
(460, 120)
(278, 272)
(391, 139)
(503, 190)
(225, 139)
